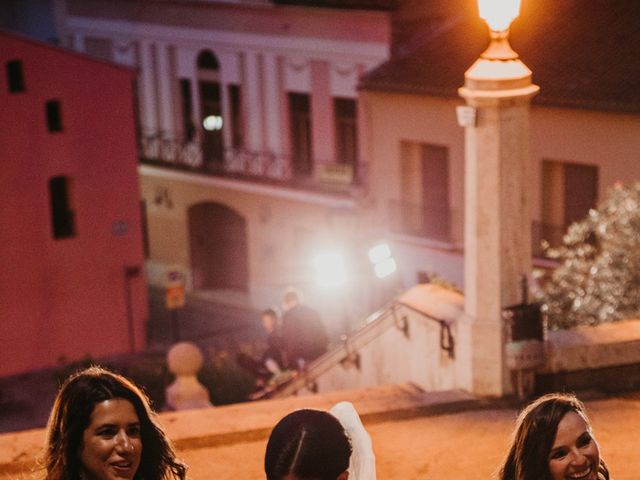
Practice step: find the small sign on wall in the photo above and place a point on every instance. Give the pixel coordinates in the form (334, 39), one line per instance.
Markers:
(174, 297)
(335, 173)
(174, 288)
(119, 228)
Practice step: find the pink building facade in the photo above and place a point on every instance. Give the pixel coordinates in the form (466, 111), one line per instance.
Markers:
(71, 283)
(250, 158)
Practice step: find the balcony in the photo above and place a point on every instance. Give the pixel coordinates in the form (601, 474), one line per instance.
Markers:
(435, 224)
(240, 163)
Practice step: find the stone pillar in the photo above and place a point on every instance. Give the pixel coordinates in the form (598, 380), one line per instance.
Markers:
(253, 109)
(322, 116)
(273, 103)
(147, 90)
(165, 79)
(497, 211)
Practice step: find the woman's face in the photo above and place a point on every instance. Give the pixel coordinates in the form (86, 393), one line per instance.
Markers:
(575, 454)
(111, 444)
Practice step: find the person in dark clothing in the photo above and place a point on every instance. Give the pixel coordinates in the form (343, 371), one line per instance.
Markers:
(274, 352)
(271, 362)
(304, 336)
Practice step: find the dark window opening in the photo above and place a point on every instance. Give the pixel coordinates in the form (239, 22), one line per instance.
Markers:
(15, 77)
(188, 127)
(54, 116)
(237, 125)
(145, 229)
(208, 61)
(300, 130)
(211, 108)
(345, 112)
(62, 216)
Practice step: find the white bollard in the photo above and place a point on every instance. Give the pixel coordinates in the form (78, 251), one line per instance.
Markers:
(185, 360)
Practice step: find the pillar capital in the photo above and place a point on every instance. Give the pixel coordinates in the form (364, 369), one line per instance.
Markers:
(495, 82)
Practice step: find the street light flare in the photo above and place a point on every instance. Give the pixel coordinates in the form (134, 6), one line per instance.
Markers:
(385, 268)
(379, 253)
(499, 13)
(330, 269)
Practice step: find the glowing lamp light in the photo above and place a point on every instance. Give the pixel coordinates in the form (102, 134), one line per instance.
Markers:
(379, 253)
(499, 13)
(212, 123)
(330, 269)
(385, 268)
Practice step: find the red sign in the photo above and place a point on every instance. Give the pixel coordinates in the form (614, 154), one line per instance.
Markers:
(174, 297)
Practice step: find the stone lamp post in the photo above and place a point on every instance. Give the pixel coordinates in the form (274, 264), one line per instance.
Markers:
(498, 92)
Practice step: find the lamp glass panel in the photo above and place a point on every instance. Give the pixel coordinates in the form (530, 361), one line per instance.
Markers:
(498, 13)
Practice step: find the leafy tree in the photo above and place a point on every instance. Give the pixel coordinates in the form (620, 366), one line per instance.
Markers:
(598, 279)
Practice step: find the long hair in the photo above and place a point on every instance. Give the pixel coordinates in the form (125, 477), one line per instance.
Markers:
(310, 444)
(533, 438)
(71, 415)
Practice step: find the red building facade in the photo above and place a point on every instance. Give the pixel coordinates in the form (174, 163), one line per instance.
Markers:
(71, 282)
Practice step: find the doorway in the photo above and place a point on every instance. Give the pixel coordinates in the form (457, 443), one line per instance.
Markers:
(218, 243)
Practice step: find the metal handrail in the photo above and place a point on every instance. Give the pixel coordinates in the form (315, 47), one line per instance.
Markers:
(350, 355)
(447, 342)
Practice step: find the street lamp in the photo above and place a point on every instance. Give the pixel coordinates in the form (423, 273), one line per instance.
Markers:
(498, 92)
(498, 13)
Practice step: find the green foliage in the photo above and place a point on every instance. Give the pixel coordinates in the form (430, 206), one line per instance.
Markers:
(225, 380)
(598, 279)
(152, 375)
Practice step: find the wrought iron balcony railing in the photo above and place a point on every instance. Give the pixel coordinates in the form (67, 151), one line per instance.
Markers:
(237, 162)
(436, 224)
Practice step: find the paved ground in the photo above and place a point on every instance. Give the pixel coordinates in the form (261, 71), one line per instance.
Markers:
(411, 442)
(455, 446)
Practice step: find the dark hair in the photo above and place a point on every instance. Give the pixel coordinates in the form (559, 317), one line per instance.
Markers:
(71, 415)
(310, 444)
(270, 312)
(291, 295)
(533, 438)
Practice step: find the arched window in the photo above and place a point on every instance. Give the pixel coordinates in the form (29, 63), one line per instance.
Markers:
(207, 61)
(211, 120)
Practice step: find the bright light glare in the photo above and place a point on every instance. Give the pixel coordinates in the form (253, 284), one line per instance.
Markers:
(385, 268)
(212, 122)
(379, 253)
(499, 13)
(330, 269)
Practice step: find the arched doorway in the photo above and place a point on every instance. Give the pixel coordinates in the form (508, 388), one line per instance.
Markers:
(218, 242)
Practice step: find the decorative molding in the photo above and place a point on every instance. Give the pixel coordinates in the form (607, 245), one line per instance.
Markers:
(320, 49)
(345, 70)
(298, 66)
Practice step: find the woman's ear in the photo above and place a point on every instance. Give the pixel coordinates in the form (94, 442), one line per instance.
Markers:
(343, 476)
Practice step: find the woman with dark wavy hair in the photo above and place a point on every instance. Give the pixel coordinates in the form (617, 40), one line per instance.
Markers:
(553, 440)
(101, 427)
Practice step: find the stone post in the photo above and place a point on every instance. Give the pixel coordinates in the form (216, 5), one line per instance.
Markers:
(498, 93)
(185, 360)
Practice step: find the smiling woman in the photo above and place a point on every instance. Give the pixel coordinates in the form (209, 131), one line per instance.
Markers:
(553, 440)
(102, 428)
